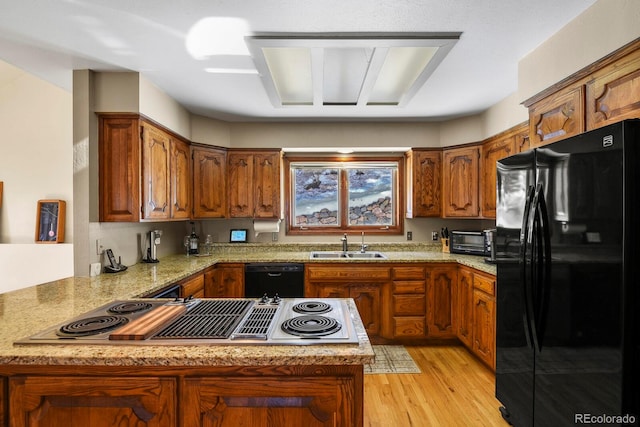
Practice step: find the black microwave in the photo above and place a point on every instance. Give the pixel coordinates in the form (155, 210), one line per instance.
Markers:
(470, 242)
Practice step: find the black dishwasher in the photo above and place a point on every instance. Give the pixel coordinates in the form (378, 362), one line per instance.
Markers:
(284, 279)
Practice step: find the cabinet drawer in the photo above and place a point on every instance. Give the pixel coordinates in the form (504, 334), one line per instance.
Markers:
(408, 305)
(409, 287)
(408, 326)
(193, 286)
(484, 283)
(408, 273)
(346, 271)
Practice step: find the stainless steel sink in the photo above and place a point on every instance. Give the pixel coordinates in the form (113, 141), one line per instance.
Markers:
(347, 255)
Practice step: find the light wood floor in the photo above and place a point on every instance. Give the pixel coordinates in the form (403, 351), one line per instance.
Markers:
(454, 389)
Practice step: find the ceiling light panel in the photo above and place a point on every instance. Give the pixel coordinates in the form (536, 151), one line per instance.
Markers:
(347, 69)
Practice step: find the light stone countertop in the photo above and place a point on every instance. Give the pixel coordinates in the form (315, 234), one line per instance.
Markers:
(30, 310)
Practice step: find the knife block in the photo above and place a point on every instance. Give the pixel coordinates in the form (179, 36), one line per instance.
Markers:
(445, 245)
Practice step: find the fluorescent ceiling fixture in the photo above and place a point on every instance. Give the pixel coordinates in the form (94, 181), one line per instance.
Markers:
(231, 70)
(217, 36)
(347, 69)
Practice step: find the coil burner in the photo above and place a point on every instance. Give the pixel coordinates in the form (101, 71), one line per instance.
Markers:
(312, 307)
(129, 307)
(91, 326)
(311, 326)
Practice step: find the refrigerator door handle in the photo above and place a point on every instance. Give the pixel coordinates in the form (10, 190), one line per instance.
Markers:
(542, 284)
(525, 262)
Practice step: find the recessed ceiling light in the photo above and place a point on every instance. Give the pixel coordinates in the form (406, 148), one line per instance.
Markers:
(347, 69)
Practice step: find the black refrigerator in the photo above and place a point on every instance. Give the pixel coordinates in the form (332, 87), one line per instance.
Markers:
(568, 273)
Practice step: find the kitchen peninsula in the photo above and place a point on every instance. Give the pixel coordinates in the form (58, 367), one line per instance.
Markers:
(150, 385)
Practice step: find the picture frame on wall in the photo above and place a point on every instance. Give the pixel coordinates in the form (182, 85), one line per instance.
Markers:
(50, 221)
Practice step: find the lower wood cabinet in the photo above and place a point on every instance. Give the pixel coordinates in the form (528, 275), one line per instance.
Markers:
(408, 303)
(475, 311)
(440, 284)
(362, 282)
(260, 401)
(225, 280)
(92, 401)
(193, 286)
(165, 396)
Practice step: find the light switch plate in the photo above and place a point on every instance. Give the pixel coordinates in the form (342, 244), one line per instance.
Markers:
(95, 269)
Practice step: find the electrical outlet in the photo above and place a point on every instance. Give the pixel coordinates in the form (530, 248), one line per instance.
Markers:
(95, 269)
(274, 237)
(99, 247)
(434, 236)
(409, 235)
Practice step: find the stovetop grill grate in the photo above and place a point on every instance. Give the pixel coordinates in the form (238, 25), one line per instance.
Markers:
(257, 324)
(215, 319)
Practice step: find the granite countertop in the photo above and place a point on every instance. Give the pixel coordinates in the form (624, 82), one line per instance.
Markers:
(30, 310)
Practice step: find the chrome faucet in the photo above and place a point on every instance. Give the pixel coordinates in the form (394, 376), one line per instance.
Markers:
(345, 247)
(363, 247)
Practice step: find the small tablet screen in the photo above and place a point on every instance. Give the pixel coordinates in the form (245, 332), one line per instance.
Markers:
(238, 236)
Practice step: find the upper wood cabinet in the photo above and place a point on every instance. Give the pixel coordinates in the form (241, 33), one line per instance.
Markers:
(425, 183)
(119, 162)
(145, 172)
(557, 117)
(460, 185)
(613, 93)
(253, 183)
(209, 182)
(602, 93)
(493, 149)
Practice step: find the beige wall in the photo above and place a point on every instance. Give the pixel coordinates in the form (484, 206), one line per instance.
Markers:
(36, 162)
(604, 27)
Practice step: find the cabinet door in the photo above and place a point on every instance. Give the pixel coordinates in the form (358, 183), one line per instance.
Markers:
(440, 283)
(155, 173)
(270, 401)
(613, 94)
(119, 158)
(460, 182)
(326, 290)
(557, 117)
(484, 326)
(266, 184)
(209, 183)
(464, 306)
(426, 183)
(180, 174)
(224, 281)
(240, 185)
(193, 286)
(367, 299)
(89, 401)
(493, 151)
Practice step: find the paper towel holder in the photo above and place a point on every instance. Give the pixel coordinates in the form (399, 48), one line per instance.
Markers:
(238, 235)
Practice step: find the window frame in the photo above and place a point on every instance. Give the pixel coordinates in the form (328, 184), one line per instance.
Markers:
(343, 198)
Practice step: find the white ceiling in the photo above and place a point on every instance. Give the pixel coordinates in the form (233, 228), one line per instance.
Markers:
(50, 38)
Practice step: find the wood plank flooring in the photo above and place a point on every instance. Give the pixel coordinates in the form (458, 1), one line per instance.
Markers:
(454, 389)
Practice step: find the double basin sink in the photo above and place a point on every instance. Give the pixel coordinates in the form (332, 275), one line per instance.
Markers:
(347, 255)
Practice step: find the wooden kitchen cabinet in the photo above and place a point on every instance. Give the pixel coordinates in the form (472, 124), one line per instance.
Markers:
(408, 303)
(460, 175)
(364, 283)
(253, 183)
(440, 285)
(192, 286)
(476, 313)
(425, 183)
(270, 401)
(557, 117)
(463, 303)
(493, 149)
(51, 401)
(224, 280)
(209, 182)
(145, 172)
(613, 93)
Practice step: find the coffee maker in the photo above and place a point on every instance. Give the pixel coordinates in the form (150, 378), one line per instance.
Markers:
(152, 250)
